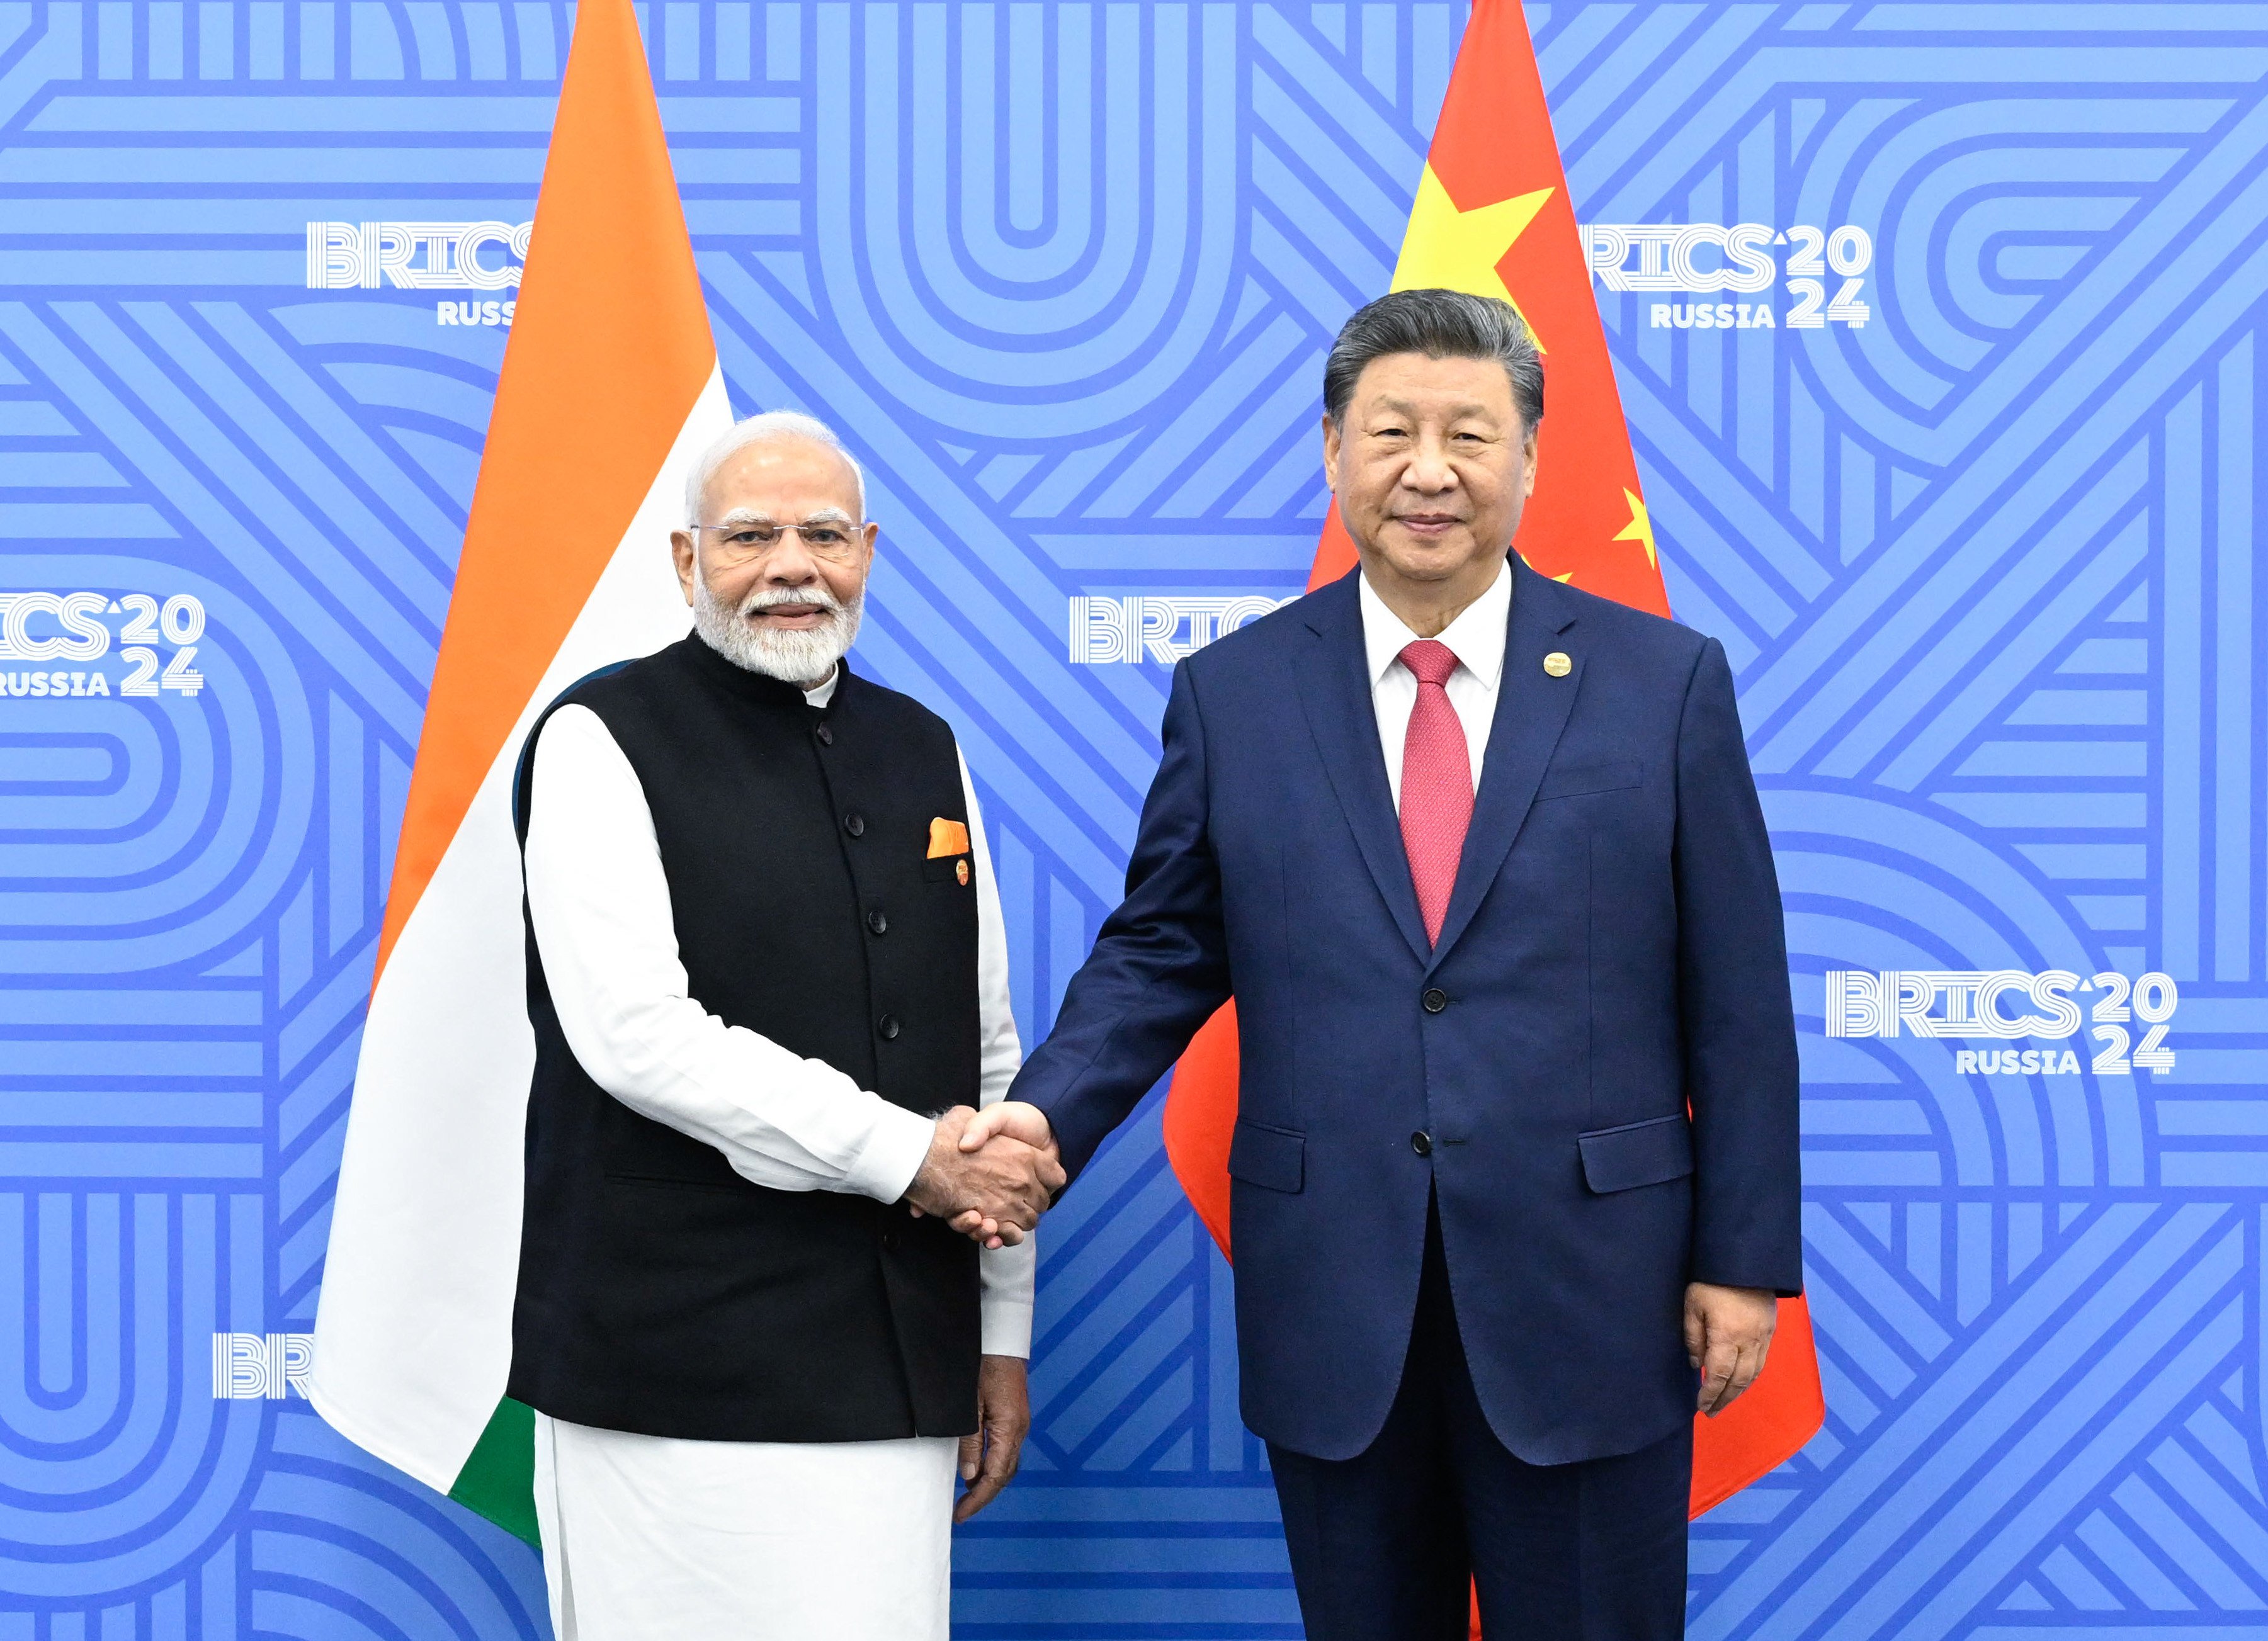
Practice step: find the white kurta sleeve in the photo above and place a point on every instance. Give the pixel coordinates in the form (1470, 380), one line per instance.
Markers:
(1009, 1272)
(600, 904)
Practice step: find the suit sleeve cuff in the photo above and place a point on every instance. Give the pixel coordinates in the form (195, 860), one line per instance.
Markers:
(1776, 1277)
(894, 1150)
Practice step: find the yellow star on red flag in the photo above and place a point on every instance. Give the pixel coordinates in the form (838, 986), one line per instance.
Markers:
(1640, 527)
(1449, 249)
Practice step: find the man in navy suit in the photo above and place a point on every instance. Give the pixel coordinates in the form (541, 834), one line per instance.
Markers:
(1515, 1166)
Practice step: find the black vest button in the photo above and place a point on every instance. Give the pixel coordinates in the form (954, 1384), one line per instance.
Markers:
(1422, 1142)
(879, 923)
(855, 825)
(1435, 999)
(826, 735)
(889, 1241)
(888, 1026)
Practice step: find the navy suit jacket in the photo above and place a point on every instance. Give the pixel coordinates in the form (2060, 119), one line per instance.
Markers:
(1612, 954)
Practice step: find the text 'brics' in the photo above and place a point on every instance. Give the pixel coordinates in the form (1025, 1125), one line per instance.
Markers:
(1155, 627)
(2008, 1004)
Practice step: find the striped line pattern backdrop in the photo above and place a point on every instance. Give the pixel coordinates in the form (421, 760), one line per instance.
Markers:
(1064, 274)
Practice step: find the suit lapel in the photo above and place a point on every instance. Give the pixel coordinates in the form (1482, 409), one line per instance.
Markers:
(1531, 712)
(1334, 691)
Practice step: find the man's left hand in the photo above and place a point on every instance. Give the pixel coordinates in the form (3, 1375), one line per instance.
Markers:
(1003, 1415)
(1728, 1336)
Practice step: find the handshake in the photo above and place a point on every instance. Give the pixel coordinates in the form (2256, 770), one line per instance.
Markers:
(990, 1173)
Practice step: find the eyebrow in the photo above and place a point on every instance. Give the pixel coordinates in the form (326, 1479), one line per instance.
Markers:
(1402, 407)
(752, 515)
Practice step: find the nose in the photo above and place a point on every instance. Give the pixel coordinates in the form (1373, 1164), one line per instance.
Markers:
(1429, 469)
(789, 565)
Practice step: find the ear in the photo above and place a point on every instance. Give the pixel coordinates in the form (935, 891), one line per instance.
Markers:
(1331, 453)
(1528, 462)
(681, 553)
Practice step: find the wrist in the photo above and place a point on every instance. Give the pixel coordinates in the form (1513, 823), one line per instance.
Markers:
(897, 1158)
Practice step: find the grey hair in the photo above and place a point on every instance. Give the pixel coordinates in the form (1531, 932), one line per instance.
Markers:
(1441, 325)
(756, 430)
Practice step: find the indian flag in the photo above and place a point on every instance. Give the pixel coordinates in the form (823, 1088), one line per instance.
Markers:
(610, 392)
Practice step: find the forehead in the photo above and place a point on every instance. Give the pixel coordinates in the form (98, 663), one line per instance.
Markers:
(1445, 386)
(781, 478)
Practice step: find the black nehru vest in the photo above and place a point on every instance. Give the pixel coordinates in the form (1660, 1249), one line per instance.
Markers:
(660, 1292)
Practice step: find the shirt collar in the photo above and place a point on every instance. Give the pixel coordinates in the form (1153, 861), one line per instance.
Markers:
(1477, 637)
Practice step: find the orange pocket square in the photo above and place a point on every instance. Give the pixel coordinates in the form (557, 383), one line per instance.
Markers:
(947, 837)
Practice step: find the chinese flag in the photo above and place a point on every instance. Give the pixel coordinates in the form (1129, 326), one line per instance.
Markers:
(1492, 216)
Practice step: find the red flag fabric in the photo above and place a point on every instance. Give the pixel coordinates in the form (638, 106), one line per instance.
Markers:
(1492, 216)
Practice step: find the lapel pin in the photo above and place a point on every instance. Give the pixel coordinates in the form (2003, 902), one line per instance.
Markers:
(1557, 665)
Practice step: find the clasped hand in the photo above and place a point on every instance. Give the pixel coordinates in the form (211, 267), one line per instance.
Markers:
(991, 1174)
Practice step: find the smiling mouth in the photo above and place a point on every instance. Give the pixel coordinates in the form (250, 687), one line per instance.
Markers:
(1428, 524)
(790, 615)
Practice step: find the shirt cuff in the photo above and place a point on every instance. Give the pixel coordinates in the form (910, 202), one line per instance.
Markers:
(894, 1150)
(1005, 1327)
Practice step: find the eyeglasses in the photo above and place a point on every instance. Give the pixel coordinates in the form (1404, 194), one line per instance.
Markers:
(737, 544)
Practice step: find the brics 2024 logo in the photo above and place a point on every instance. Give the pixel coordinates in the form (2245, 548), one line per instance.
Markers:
(423, 256)
(1157, 627)
(75, 628)
(1708, 259)
(2006, 1003)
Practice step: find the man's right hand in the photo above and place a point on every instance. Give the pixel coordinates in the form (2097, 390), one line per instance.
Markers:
(1005, 1121)
(995, 1190)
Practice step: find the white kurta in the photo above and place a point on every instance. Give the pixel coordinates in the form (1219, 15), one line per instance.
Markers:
(647, 1536)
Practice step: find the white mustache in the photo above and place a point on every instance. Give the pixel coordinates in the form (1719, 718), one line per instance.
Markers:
(766, 598)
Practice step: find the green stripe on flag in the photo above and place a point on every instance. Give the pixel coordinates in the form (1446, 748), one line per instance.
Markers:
(498, 1481)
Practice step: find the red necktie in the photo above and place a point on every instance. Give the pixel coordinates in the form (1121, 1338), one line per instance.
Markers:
(1437, 782)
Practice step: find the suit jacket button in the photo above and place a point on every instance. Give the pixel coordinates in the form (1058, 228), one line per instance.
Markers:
(1435, 999)
(1422, 1142)
(889, 1241)
(879, 923)
(826, 735)
(888, 1026)
(854, 824)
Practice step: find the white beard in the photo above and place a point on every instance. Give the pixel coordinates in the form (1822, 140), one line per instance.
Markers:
(802, 658)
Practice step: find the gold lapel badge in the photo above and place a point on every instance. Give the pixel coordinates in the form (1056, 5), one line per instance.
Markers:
(1557, 665)
(961, 872)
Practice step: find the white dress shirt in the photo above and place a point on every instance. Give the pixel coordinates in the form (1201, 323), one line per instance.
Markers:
(1477, 637)
(599, 904)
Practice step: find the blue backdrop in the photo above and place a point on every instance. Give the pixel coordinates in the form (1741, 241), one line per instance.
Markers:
(1979, 538)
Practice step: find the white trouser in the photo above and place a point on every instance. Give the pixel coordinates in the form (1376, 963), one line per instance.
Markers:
(650, 1536)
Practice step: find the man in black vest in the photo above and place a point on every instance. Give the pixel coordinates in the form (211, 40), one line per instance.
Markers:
(769, 986)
